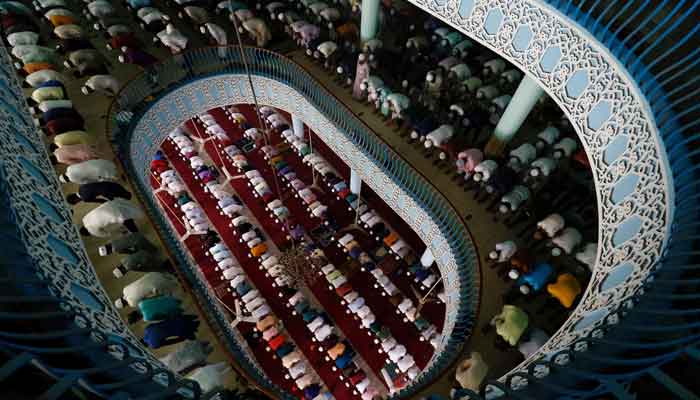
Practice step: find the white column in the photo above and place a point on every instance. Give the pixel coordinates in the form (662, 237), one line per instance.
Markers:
(523, 101)
(369, 19)
(427, 259)
(298, 126)
(355, 182)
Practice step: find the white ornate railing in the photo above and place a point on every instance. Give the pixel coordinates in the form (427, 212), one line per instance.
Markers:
(609, 113)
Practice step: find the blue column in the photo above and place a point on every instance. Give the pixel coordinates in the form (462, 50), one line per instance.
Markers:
(524, 99)
(369, 23)
(355, 182)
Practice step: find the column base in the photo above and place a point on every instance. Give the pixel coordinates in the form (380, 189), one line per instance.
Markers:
(495, 147)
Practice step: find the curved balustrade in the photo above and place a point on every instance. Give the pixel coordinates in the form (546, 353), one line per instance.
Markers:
(588, 53)
(201, 79)
(55, 315)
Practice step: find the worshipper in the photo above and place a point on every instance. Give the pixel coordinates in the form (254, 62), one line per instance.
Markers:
(110, 218)
(100, 9)
(150, 285)
(104, 84)
(170, 331)
(566, 241)
(74, 154)
(90, 171)
(136, 56)
(362, 71)
(565, 290)
(588, 255)
(142, 260)
(532, 342)
(22, 38)
(126, 244)
(47, 93)
(510, 324)
(37, 78)
(153, 19)
(259, 30)
(70, 31)
(503, 251)
(536, 279)
(98, 192)
(172, 38)
(549, 226)
(210, 377)
(217, 33)
(71, 138)
(187, 355)
(156, 309)
(87, 62)
(61, 125)
(471, 372)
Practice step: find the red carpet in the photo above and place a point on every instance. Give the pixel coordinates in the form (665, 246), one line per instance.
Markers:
(405, 332)
(293, 324)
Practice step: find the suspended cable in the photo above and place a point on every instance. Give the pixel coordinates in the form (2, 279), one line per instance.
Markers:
(262, 125)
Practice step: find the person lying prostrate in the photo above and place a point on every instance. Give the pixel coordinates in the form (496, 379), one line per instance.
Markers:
(100, 9)
(90, 171)
(45, 5)
(259, 30)
(471, 372)
(69, 32)
(122, 40)
(216, 32)
(103, 84)
(156, 309)
(187, 355)
(98, 192)
(47, 106)
(137, 57)
(150, 285)
(37, 78)
(154, 20)
(111, 218)
(23, 38)
(198, 15)
(170, 331)
(210, 377)
(61, 16)
(142, 261)
(30, 53)
(71, 138)
(69, 45)
(117, 29)
(127, 244)
(136, 4)
(47, 93)
(13, 23)
(172, 38)
(14, 7)
(86, 62)
(74, 154)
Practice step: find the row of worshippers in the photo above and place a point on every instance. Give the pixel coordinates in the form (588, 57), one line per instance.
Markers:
(74, 149)
(399, 359)
(253, 302)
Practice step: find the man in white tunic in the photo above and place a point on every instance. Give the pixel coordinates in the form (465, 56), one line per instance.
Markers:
(149, 285)
(111, 218)
(90, 171)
